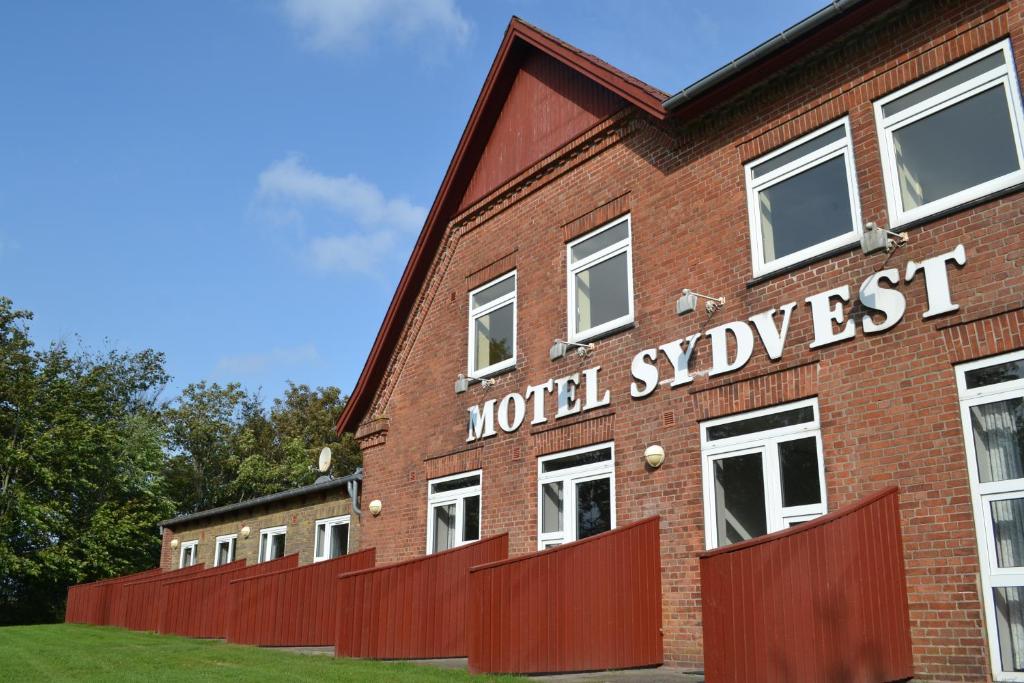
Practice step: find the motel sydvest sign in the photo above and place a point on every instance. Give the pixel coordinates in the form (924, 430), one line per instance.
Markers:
(580, 392)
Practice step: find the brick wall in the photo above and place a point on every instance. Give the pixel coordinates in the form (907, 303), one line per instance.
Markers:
(298, 514)
(889, 409)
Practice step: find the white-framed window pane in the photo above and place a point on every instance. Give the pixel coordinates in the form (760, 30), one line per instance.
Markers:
(998, 373)
(486, 295)
(494, 336)
(223, 552)
(321, 533)
(1009, 610)
(455, 484)
(444, 527)
(593, 507)
(276, 546)
(938, 87)
(761, 423)
(470, 519)
(739, 498)
(805, 209)
(602, 292)
(798, 471)
(339, 540)
(602, 240)
(763, 168)
(551, 507)
(957, 148)
(580, 459)
(1008, 531)
(998, 432)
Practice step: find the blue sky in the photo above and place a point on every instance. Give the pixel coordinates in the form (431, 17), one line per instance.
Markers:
(239, 184)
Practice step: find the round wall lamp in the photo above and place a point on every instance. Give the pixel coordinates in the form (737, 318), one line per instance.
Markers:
(245, 531)
(375, 506)
(174, 543)
(655, 456)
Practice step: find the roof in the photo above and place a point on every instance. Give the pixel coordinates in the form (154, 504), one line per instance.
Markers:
(263, 500)
(520, 36)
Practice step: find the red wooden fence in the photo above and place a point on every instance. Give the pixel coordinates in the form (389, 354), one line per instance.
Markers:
(290, 606)
(590, 605)
(136, 605)
(823, 601)
(88, 602)
(198, 606)
(414, 609)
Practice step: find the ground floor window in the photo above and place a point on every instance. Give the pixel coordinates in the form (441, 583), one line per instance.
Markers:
(189, 550)
(225, 552)
(272, 543)
(763, 472)
(992, 409)
(331, 538)
(453, 511)
(575, 494)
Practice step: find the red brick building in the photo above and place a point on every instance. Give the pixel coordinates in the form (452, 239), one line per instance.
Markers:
(579, 206)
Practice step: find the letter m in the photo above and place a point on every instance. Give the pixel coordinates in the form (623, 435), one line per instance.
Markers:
(481, 421)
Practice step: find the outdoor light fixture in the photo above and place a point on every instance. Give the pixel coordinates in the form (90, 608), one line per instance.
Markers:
(560, 348)
(462, 382)
(688, 302)
(245, 531)
(375, 506)
(654, 455)
(174, 543)
(875, 239)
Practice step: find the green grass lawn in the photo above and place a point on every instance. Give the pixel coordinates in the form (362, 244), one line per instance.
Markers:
(65, 652)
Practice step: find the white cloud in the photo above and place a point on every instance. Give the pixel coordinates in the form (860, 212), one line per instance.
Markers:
(354, 24)
(357, 228)
(253, 363)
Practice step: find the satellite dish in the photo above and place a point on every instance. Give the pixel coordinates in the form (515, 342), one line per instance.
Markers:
(325, 459)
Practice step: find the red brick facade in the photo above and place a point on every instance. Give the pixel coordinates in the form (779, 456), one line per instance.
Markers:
(888, 401)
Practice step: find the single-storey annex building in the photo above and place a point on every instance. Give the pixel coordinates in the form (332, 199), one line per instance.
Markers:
(739, 307)
(318, 522)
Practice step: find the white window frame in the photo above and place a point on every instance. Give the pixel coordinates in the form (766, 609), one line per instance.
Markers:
(328, 524)
(231, 540)
(1005, 77)
(839, 148)
(265, 536)
(457, 496)
(622, 247)
(767, 443)
(992, 576)
(569, 477)
(491, 306)
(194, 546)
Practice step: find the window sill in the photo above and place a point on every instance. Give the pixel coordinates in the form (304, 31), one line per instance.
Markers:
(911, 225)
(490, 374)
(605, 334)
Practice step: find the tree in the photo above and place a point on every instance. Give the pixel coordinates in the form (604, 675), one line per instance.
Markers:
(80, 459)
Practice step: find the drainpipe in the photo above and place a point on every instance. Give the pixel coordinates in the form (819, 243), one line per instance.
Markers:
(353, 491)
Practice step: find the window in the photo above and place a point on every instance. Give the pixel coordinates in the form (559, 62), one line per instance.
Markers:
(763, 472)
(272, 543)
(225, 550)
(992, 411)
(188, 553)
(600, 283)
(575, 495)
(331, 538)
(803, 199)
(952, 137)
(453, 511)
(492, 326)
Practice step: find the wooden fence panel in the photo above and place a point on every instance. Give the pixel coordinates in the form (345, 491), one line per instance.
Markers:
(88, 602)
(823, 601)
(290, 607)
(198, 606)
(136, 605)
(414, 609)
(590, 605)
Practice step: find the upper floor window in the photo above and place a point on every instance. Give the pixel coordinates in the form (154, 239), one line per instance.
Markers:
(953, 136)
(331, 538)
(453, 511)
(225, 550)
(492, 326)
(803, 199)
(272, 543)
(189, 554)
(600, 283)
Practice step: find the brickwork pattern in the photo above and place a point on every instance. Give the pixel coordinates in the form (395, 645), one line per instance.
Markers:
(888, 402)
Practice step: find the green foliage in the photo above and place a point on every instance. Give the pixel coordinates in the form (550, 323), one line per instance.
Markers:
(91, 461)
